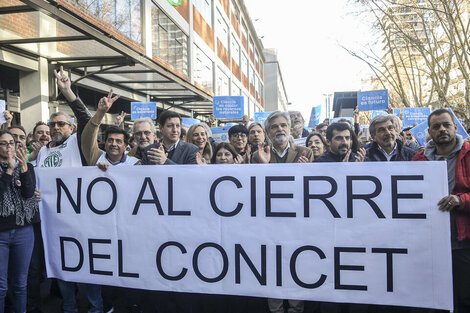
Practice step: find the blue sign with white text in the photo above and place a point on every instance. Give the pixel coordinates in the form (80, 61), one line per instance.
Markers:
(188, 122)
(415, 115)
(220, 134)
(372, 100)
(143, 109)
(228, 107)
(315, 116)
(460, 129)
(419, 132)
(260, 117)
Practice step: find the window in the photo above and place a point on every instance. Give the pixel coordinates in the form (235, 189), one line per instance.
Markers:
(125, 15)
(222, 85)
(256, 57)
(257, 85)
(235, 51)
(251, 77)
(169, 43)
(235, 90)
(244, 64)
(244, 30)
(204, 7)
(236, 11)
(250, 45)
(221, 30)
(203, 69)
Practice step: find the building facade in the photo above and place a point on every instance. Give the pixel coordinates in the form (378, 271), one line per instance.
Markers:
(146, 50)
(275, 91)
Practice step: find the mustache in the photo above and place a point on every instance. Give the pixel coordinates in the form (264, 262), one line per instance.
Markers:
(343, 147)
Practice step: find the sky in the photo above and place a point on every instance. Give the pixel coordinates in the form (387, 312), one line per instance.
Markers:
(308, 36)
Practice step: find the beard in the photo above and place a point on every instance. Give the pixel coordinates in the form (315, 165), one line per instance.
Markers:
(58, 138)
(279, 140)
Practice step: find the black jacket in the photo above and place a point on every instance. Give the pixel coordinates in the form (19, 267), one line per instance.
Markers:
(405, 153)
(330, 157)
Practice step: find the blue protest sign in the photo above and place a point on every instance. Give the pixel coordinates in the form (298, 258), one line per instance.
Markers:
(315, 116)
(397, 112)
(372, 100)
(336, 119)
(228, 107)
(377, 113)
(187, 121)
(415, 115)
(260, 117)
(220, 134)
(2, 108)
(460, 129)
(419, 132)
(143, 109)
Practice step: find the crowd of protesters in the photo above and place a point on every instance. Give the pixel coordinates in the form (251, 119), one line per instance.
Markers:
(67, 142)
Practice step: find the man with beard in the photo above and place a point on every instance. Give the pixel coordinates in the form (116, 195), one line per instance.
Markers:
(278, 126)
(64, 148)
(297, 127)
(385, 146)
(145, 134)
(446, 145)
(340, 137)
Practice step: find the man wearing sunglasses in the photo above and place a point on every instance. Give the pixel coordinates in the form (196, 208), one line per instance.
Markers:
(64, 148)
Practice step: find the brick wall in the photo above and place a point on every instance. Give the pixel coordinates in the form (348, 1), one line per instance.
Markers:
(22, 24)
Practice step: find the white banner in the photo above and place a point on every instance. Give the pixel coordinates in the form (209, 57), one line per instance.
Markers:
(338, 232)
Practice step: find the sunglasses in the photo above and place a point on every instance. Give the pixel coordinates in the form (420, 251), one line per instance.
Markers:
(60, 124)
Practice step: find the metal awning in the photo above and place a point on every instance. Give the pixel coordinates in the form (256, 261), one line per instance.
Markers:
(91, 55)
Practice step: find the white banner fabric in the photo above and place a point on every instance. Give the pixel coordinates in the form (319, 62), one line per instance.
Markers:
(337, 232)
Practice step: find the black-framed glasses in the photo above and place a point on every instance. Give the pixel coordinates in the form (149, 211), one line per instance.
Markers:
(60, 124)
(239, 135)
(7, 143)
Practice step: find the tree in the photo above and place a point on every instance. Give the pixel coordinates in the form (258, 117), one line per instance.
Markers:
(423, 58)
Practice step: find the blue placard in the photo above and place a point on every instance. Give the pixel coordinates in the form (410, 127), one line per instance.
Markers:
(228, 107)
(260, 117)
(415, 115)
(188, 122)
(220, 134)
(336, 119)
(143, 109)
(377, 113)
(419, 132)
(315, 116)
(372, 100)
(397, 112)
(460, 129)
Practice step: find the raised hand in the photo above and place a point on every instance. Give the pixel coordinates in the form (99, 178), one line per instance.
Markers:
(303, 158)
(106, 103)
(8, 118)
(264, 153)
(120, 118)
(361, 155)
(238, 159)
(21, 157)
(200, 160)
(64, 84)
(157, 156)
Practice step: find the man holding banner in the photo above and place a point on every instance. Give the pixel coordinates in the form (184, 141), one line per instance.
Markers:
(447, 145)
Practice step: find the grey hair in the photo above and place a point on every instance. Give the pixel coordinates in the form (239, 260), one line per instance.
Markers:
(67, 116)
(276, 114)
(145, 120)
(381, 119)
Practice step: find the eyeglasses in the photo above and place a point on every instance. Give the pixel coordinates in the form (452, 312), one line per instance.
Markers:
(146, 133)
(21, 137)
(60, 124)
(239, 135)
(6, 143)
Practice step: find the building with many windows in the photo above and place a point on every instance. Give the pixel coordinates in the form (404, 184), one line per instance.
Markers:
(276, 96)
(146, 50)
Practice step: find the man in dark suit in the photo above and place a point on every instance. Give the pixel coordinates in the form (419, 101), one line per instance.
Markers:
(172, 150)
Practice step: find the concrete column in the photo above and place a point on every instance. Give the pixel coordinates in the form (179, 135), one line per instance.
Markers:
(34, 95)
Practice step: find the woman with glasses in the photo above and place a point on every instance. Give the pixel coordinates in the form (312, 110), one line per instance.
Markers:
(18, 211)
